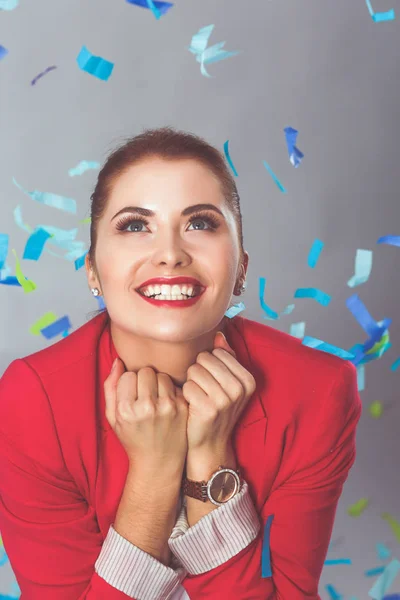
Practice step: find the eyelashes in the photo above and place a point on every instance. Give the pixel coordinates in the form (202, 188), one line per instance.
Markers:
(208, 218)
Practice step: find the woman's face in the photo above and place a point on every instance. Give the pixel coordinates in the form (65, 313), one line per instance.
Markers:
(132, 248)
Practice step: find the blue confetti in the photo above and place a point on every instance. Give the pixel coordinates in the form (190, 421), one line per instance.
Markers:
(314, 293)
(392, 240)
(57, 327)
(315, 252)
(265, 556)
(94, 65)
(380, 16)
(235, 310)
(295, 156)
(158, 8)
(8, 4)
(54, 200)
(35, 244)
(3, 52)
(228, 158)
(312, 342)
(83, 166)
(3, 248)
(274, 177)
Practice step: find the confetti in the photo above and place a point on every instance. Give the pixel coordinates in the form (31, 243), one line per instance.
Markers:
(315, 252)
(382, 551)
(338, 561)
(3, 52)
(83, 166)
(270, 314)
(295, 156)
(3, 249)
(35, 244)
(59, 326)
(235, 310)
(8, 4)
(204, 55)
(94, 65)
(266, 554)
(49, 199)
(395, 525)
(297, 329)
(362, 269)
(157, 8)
(228, 158)
(312, 342)
(376, 409)
(355, 510)
(384, 582)
(395, 365)
(33, 82)
(393, 240)
(274, 177)
(42, 322)
(314, 293)
(27, 285)
(380, 16)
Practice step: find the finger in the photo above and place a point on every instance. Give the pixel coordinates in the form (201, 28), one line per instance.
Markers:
(209, 385)
(223, 375)
(197, 399)
(147, 386)
(110, 390)
(243, 375)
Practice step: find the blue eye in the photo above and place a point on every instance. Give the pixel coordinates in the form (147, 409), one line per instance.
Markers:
(211, 221)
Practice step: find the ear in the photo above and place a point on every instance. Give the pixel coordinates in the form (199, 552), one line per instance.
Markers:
(245, 263)
(90, 274)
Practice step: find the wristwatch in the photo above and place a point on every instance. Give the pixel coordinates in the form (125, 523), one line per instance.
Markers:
(222, 486)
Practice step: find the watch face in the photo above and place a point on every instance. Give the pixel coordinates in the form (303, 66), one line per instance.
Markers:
(223, 487)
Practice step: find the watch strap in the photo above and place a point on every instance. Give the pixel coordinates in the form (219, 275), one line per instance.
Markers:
(198, 489)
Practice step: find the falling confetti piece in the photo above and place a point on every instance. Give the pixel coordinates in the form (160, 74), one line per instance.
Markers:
(376, 409)
(3, 52)
(298, 329)
(27, 284)
(270, 314)
(33, 82)
(382, 551)
(392, 240)
(3, 249)
(235, 310)
(362, 269)
(94, 65)
(228, 158)
(315, 252)
(384, 582)
(42, 322)
(380, 16)
(295, 156)
(395, 365)
(49, 199)
(395, 526)
(266, 553)
(83, 166)
(35, 244)
(8, 4)
(314, 293)
(204, 55)
(57, 327)
(274, 177)
(312, 342)
(356, 509)
(157, 8)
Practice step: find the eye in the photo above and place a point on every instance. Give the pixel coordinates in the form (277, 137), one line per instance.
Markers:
(126, 222)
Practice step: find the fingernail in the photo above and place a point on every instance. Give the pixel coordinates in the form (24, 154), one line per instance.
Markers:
(114, 364)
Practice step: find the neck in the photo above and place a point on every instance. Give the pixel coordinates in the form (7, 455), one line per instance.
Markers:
(173, 358)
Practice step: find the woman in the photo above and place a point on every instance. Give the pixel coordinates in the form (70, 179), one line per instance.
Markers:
(97, 464)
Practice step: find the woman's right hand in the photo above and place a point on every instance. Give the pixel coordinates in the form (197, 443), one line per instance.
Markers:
(148, 414)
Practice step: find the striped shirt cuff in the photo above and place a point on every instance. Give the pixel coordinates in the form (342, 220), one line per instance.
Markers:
(135, 572)
(216, 537)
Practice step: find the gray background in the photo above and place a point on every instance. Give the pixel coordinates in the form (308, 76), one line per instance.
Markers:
(322, 67)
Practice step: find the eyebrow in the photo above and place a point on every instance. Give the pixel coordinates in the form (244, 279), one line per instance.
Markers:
(146, 212)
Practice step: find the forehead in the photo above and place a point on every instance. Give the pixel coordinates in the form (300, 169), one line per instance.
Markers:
(156, 180)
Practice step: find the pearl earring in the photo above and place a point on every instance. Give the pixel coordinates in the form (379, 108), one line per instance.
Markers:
(95, 292)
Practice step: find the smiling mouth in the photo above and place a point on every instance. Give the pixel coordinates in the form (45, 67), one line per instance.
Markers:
(197, 290)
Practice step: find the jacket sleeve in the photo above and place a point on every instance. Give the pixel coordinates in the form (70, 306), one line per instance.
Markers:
(216, 537)
(303, 508)
(49, 531)
(302, 511)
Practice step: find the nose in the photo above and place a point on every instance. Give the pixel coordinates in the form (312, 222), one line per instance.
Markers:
(169, 250)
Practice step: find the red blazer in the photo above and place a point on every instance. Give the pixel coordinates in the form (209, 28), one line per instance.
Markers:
(63, 470)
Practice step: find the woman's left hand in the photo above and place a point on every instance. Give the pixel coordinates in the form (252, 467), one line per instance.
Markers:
(217, 390)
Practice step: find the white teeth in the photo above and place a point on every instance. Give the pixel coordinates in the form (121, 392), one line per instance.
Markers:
(168, 291)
